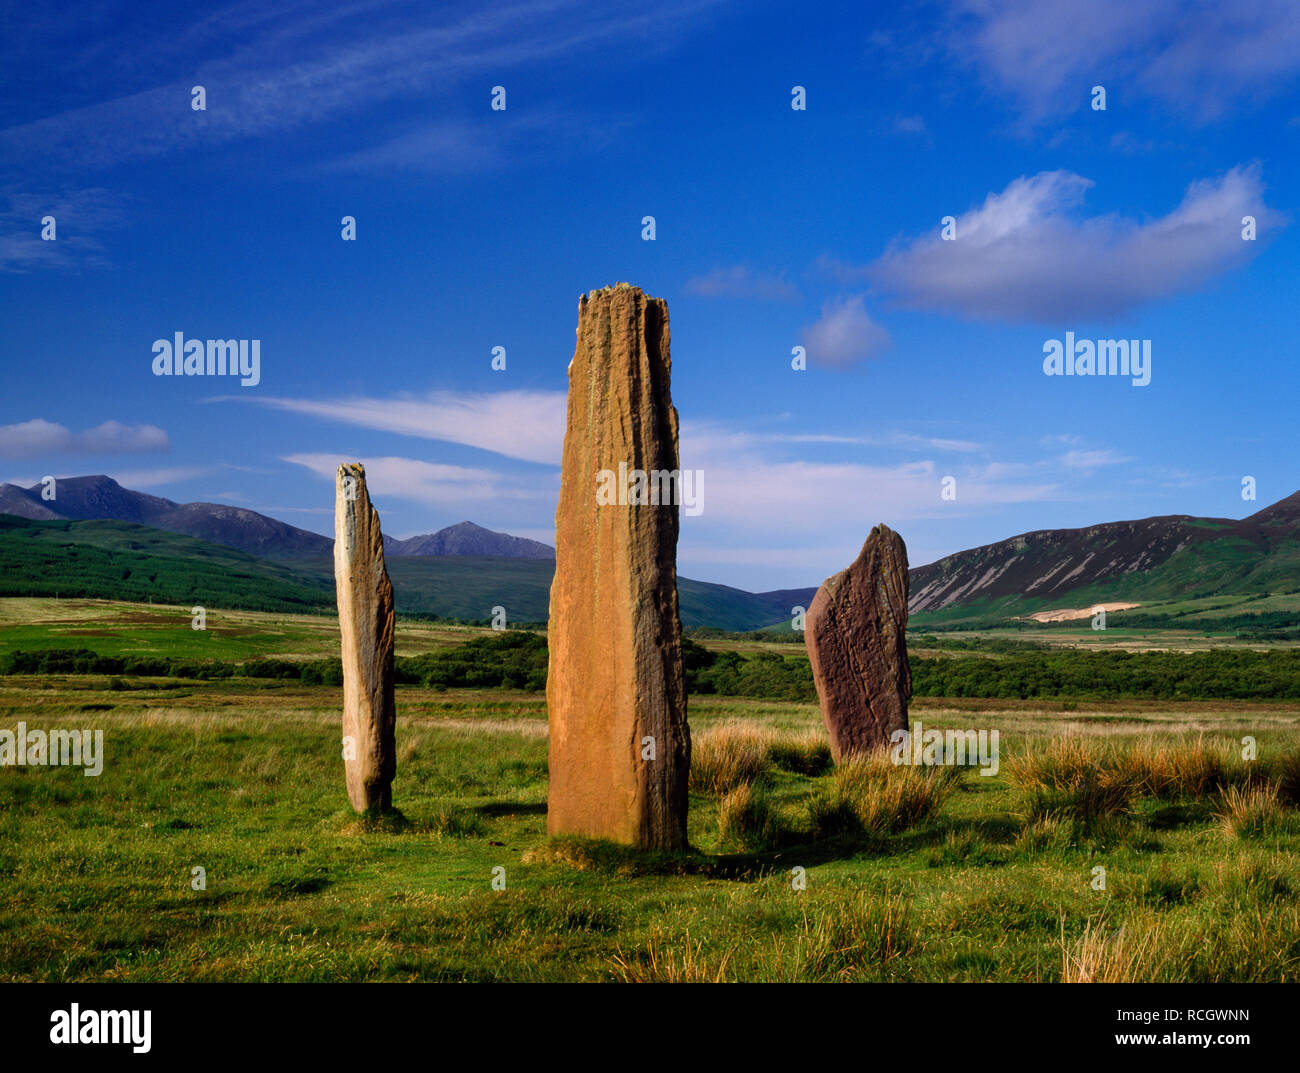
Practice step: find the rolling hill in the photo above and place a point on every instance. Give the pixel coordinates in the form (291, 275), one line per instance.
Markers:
(127, 561)
(1162, 559)
(101, 498)
(1173, 562)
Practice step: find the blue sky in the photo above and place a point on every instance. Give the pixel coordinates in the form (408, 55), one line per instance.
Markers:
(775, 228)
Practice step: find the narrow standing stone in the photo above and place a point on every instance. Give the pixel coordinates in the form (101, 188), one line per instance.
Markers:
(366, 619)
(620, 746)
(856, 635)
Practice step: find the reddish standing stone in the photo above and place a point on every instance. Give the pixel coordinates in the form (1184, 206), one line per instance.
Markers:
(856, 635)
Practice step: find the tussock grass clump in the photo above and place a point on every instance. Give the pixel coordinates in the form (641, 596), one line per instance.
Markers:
(1252, 811)
(727, 757)
(853, 936)
(456, 823)
(661, 961)
(1133, 953)
(749, 819)
(858, 936)
(1045, 834)
(869, 794)
(1284, 772)
(1089, 779)
(1073, 778)
(1260, 944)
(1094, 798)
(1249, 881)
(736, 753)
(804, 754)
(965, 847)
(1166, 888)
(1257, 945)
(1169, 769)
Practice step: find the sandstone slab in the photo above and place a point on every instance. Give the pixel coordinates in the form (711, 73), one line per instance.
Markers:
(616, 689)
(856, 635)
(366, 622)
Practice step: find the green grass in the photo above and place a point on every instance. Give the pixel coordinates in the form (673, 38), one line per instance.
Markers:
(243, 778)
(111, 628)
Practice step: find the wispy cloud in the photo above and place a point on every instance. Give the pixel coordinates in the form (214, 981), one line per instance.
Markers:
(892, 439)
(432, 483)
(746, 473)
(740, 281)
(1094, 459)
(487, 142)
(345, 59)
(81, 217)
(30, 439)
(527, 425)
(1201, 58)
(161, 477)
(1023, 255)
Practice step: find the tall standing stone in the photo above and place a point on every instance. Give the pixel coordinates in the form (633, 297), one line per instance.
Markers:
(856, 634)
(616, 691)
(366, 619)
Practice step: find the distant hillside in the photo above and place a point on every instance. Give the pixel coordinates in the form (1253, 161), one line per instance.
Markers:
(466, 538)
(124, 561)
(464, 571)
(101, 498)
(104, 500)
(1164, 558)
(468, 588)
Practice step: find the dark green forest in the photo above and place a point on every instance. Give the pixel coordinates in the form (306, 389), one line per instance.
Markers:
(516, 659)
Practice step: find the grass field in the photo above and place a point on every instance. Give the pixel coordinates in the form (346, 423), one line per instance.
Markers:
(112, 628)
(909, 876)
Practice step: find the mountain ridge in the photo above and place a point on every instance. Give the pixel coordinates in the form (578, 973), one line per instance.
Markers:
(1162, 556)
(98, 497)
(1137, 560)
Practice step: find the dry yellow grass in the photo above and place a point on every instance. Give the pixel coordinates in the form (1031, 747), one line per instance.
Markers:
(871, 793)
(1106, 955)
(1246, 811)
(735, 753)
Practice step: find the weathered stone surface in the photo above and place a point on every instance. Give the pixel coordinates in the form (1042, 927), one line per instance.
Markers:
(856, 634)
(365, 599)
(616, 675)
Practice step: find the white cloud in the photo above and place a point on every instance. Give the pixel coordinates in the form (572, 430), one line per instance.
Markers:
(39, 437)
(527, 425)
(844, 335)
(154, 478)
(753, 486)
(432, 483)
(1023, 256)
